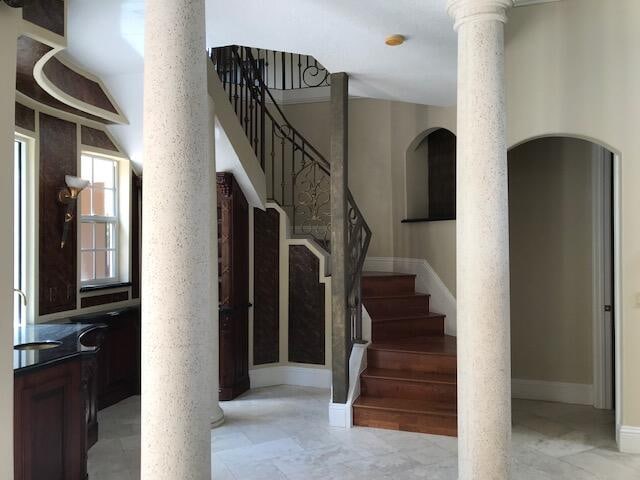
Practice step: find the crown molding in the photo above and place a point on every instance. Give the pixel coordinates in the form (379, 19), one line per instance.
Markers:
(524, 3)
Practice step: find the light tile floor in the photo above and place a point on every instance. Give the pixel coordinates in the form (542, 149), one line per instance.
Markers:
(283, 433)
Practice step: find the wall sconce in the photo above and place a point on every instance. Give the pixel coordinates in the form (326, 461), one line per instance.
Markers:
(69, 196)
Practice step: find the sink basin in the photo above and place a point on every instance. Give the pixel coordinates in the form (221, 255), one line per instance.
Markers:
(46, 345)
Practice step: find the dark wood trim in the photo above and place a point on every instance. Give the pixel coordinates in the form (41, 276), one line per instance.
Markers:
(136, 233)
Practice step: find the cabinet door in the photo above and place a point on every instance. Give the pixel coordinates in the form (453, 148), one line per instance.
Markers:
(49, 424)
(233, 252)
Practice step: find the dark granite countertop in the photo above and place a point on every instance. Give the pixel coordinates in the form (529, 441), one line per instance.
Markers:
(68, 334)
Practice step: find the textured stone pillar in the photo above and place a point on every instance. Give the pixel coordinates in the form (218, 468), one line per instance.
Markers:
(484, 372)
(217, 415)
(176, 266)
(341, 326)
(9, 20)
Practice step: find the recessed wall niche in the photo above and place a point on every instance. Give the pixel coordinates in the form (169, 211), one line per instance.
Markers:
(431, 177)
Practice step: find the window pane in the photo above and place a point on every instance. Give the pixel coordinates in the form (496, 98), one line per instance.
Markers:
(104, 265)
(86, 236)
(85, 202)
(86, 261)
(111, 235)
(101, 235)
(109, 203)
(86, 170)
(104, 173)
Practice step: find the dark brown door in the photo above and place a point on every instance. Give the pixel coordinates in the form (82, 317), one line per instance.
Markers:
(233, 265)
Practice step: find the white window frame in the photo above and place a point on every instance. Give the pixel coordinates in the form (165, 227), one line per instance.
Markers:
(20, 232)
(93, 219)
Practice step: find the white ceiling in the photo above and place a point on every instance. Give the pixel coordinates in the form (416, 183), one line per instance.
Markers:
(107, 38)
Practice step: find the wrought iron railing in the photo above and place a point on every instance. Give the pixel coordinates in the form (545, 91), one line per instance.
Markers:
(289, 71)
(298, 175)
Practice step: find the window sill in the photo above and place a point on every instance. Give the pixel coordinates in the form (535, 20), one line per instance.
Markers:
(106, 286)
(417, 220)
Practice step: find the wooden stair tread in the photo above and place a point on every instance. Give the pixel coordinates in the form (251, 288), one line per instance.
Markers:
(432, 345)
(395, 296)
(407, 405)
(409, 376)
(425, 316)
(387, 274)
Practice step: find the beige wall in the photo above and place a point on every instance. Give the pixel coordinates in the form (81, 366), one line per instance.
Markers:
(369, 168)
(8, 36)
(551, 247)
(574, 67)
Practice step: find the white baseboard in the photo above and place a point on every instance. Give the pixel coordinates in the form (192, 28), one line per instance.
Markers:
(290, 375)
(576, 393)
(427, 281)
(629, 439)
(341, 414)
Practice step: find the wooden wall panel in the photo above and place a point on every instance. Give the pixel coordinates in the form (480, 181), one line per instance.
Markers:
(30, 51)
(306, 307)
(47, 14)
(266, 282)
(25, 117)
(77, 86)
(104, 299)
(136, 234)
(58, 266)
(96, 138)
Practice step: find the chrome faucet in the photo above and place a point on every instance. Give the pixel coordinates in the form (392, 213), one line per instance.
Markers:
(22, 294)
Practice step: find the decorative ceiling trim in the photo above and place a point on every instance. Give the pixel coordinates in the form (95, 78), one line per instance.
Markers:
(524, 3)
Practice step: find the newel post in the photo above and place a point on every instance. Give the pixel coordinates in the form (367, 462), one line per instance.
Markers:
(341, 331)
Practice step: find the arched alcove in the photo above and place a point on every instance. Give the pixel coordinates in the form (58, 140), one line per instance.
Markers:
(431, 176)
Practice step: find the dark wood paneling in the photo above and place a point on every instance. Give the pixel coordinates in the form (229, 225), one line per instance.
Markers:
(306, 307)
(233, 252)
(47, 14)
(266, 285)
(90, 394)
(96, 138)
(77, 86)
(442, 174)
(136, 234)
(49, 424)
(25, 117)
(30, 51)
(104, 299)
(58, 156)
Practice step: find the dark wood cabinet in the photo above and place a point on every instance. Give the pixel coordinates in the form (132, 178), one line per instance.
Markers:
(118, 359)
(233, 265)
(49, 416)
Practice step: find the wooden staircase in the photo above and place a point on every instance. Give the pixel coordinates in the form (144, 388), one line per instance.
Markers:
(410, 380)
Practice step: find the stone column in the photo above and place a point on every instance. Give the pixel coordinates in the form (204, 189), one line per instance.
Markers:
(176, 267)
(341, 326)
(9, 20)
(484, 372)
(217, 414)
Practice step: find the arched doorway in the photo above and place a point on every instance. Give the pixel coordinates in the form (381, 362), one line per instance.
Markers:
(563, 272)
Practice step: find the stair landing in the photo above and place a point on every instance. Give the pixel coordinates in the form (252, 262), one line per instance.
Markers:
(410, 382)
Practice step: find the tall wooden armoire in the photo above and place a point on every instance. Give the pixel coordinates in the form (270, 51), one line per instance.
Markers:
(233, 287)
